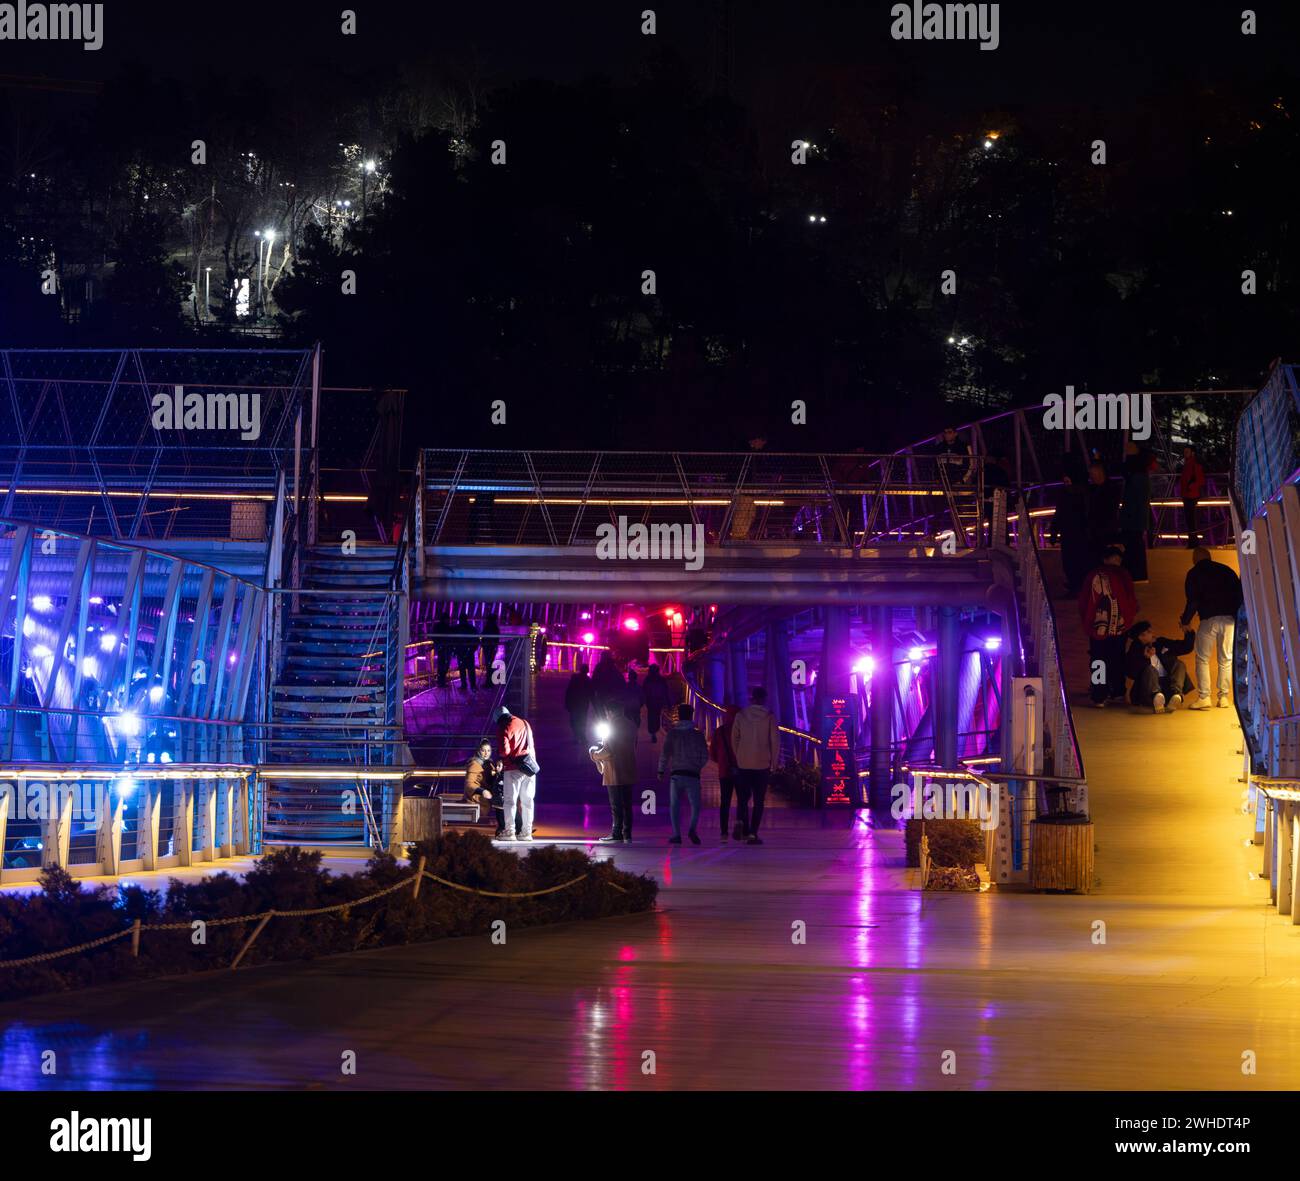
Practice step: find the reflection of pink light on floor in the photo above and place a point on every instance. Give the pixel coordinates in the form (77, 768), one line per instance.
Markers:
(627, 953)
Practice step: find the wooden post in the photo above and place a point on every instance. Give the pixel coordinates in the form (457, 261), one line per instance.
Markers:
(419, 877)
(266, 918)
(135, 938)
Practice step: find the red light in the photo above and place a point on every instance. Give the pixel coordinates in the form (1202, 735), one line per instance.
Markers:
(632, 624)
(668, 612)
(677, 619)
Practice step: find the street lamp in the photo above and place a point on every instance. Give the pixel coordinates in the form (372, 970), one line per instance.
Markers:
(260, 243)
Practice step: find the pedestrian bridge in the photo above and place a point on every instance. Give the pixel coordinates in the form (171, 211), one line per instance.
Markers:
(910, 587)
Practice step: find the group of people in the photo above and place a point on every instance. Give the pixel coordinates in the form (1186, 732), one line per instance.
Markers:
(607, 686)
(506, 784)
(1093, 514)
(460, 638)
(1108, 610)
(745, 748)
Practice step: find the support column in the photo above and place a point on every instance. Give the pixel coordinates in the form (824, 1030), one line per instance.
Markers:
(780, 685)
(715, 678)
(739, 673)
(881, 713)
(947, 666)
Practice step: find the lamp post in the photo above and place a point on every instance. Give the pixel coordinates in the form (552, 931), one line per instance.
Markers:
(260, 243)
(207, 292)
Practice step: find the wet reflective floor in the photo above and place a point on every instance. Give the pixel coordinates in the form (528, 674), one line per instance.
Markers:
(713, 990)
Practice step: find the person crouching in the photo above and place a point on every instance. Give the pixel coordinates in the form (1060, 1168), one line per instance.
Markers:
(1159, 678)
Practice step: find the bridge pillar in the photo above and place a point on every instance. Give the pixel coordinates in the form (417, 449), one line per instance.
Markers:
(739, 673)
(715, 678)
(947, 668)
(778, 661)
(881, 711)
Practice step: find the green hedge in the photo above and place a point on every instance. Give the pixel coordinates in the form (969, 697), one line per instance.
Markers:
(64, 914)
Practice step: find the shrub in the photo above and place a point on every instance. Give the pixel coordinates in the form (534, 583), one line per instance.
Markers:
(64, 914)
(958, 843)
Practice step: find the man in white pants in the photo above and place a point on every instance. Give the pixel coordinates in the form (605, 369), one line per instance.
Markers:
(518, 786)
(1214, 593)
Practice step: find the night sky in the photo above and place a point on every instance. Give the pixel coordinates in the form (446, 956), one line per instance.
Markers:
(1102, 54)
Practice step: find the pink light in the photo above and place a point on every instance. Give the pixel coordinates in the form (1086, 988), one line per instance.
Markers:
(865, 666)
(632, 624)
(588, 637)
(993, 643)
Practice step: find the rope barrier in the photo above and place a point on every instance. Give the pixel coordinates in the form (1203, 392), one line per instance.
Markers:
(264, 916)
(495, 894)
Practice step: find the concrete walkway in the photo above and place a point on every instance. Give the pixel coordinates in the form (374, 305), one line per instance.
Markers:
(1196, 968)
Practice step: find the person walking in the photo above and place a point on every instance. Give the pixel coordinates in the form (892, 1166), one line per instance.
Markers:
(632, 699)
(1108, 607)
(519, 773)
(467, 641)
(444, 638)
(615, 757)
(952, 456)
(1191, 487)
(1159, 678)
(657, 699)
(1103, 512)
(1069, 530)
(577, 700)
(756, 742)
(721, 753)
(491, 643)
(1135, 511)
(1213, 592)
(683, 756)
(606, 682)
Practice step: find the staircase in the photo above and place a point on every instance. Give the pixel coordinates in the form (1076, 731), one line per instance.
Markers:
(328, 702)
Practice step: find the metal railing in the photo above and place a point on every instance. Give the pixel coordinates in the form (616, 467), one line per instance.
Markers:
(1040, 639)
(89, 440)
(556, 498)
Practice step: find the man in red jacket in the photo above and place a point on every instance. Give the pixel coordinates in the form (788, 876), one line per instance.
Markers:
(518, 782)
(1191, 487)
(1108, 607)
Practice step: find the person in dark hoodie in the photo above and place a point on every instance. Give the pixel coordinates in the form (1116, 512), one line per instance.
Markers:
(632, 698)
(1102, 499)
(683, 756)
(606, 682)
(1069, 530)
(657, 699)
(1159, 678)
(1135, 511)
(577, 700)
